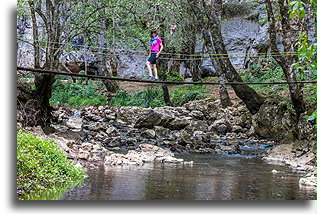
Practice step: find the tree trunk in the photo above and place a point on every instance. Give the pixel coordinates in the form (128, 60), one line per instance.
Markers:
(164, 67)
(111, 86)
(252, 100)
(285, 62)
(36, 43)
(36, 101)
(223, 93)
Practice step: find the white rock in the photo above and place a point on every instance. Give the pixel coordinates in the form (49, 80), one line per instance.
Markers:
(75, 123)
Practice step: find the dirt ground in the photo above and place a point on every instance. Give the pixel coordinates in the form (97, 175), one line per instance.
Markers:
(135, 86)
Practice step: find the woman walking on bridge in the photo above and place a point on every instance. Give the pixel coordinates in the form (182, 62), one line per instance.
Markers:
(156, 48)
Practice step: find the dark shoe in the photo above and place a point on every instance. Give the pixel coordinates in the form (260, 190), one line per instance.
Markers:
(156, 79)
(151, 78)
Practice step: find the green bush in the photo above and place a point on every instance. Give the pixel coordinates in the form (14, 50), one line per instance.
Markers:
(41, 164)
(76, 94)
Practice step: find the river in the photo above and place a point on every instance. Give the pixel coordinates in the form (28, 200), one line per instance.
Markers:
(210, 177)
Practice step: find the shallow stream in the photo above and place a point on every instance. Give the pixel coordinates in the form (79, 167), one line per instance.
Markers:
(210, 177)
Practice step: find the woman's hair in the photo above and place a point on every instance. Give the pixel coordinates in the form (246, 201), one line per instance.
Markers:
(153, 31)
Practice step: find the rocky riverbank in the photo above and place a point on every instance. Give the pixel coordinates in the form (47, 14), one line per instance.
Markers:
(197, 127)
(94, 133)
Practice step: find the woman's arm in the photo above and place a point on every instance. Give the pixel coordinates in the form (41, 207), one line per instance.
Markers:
(161, 49)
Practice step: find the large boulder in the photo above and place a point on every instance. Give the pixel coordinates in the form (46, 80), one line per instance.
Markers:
(130, 114)
(274, 121)
(148, 120)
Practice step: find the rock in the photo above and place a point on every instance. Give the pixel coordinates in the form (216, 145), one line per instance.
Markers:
(129, 114)
(179, 123)
(146, 153)
(115, 149)
(75, 123)
(163, 133)
(93, 117)
(83, 154)
(275, 122)
(149, 120)
(149, 133)
(112, 130)
(197, 114)
(274, 171)
(197, 126)
(308, 182)
(87, 147)
(229, 148)
(220, 126)
(237, 129)
(222, 129)
(115, 142)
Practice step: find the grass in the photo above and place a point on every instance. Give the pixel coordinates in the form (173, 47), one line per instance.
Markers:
(41, 165)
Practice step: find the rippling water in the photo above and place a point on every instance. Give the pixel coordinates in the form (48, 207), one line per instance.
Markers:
(209, 178)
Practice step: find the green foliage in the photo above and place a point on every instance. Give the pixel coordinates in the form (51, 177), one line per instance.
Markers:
(259, 74)
(236, 7)
(174, 77)
(182, 95)
(306, 63)
(311, 117)
(41, 164)
(153, 97)
(77, 94)
(298, 8)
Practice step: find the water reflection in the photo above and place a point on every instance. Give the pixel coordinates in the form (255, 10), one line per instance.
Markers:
(209, 178)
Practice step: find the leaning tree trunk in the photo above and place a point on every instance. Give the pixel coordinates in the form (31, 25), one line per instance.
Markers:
(252, 100)
(223, 92)
(285, 62)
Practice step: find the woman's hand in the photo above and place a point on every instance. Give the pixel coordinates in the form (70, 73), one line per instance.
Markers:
(157, 55)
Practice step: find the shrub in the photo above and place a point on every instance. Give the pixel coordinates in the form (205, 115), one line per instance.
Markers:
(41, 164)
